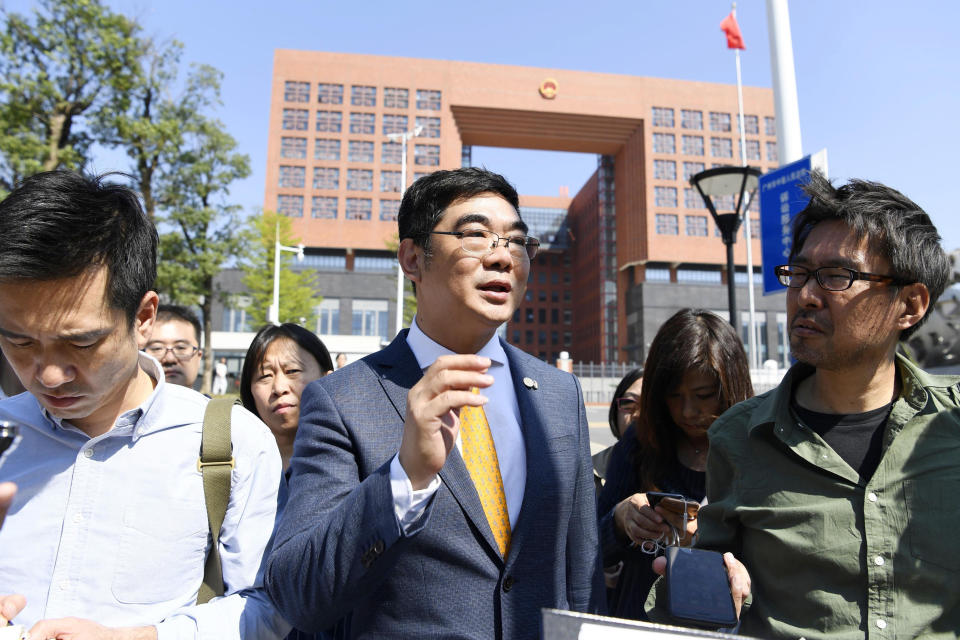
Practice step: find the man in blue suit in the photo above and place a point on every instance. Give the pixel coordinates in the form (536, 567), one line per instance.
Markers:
(420, 507)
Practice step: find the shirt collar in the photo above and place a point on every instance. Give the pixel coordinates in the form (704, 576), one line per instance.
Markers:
(135, 419)
(426, 350)
(914, 383)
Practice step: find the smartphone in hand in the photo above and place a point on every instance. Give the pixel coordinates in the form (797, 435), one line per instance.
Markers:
(698, 590)
(673, 502)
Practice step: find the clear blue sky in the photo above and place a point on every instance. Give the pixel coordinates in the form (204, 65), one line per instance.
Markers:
(878, 81)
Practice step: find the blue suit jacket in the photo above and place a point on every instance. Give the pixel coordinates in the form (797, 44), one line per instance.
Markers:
(339, 551)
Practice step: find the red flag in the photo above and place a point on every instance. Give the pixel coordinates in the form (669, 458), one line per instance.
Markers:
(732, 29)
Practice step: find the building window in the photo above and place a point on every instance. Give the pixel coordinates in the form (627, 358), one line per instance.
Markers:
(326, 178)
(296, 91)
(431, 126)
(753, 149)
(664, 143)
(662, 117)
(693, 145)
(656, 274)
(698, 276)
(667, 225)
(374, 264)
(696, 225)
(393, 123)
(396, 98)
(326, 149)
(665, 196)
(428, 100)
(359, 208)
(292, 177)
(369, 318)
(770, 125)
(295, 119)
(328, 316)
(361, 96)
(294, 148)
(390, 181)
(719, 121)
(363, 123)
(751, 124)
(567, 316)
(391, 152)
(692, 168)
(665, 169)
(325, 262)
(692, 199)
(721, 147)
(235, 319)
(516, 337)
(542, 315)
(528, 334)
(426, 154)
(771, 152)
(691, 119)
(290, 206)
(324, 207)
(389, 210)
(360, 179)
(359, 151)
(330, 121)
(329, 93)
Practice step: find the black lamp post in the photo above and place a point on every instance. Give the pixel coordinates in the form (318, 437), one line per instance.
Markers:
(727, 181)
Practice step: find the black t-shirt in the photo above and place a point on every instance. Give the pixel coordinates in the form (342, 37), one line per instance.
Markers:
(856, 437)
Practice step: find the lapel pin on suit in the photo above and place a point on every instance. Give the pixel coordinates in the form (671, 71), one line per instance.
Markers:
(530, 383)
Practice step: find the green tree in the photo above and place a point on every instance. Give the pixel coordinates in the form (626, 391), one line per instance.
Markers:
(73, 63)
(205, 232)
(298, 297)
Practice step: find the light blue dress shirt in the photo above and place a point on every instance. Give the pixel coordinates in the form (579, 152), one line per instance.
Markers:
(503, 416)
(114, 528)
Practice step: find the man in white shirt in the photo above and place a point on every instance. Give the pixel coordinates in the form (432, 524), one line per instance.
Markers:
(420, 507)
(108, 535)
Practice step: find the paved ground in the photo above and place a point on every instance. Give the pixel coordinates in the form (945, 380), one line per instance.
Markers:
(600, 436)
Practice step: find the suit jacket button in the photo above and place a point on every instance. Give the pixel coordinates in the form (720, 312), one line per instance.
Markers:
(508, 583)
(378, 547)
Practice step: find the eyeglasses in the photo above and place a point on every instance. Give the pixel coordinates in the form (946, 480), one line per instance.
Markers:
(829, 278)
(480, 242)
(626, 404)
(180, 351)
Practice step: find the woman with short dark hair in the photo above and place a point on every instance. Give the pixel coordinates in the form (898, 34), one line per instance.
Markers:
(280, 362)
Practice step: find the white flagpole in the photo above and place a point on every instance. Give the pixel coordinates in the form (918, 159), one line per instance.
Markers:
(752, 338)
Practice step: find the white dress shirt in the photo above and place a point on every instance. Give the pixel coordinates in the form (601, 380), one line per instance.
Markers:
(114, 528)
(503, 416)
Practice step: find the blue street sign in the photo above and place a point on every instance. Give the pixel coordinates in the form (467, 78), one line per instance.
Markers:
(782, 198)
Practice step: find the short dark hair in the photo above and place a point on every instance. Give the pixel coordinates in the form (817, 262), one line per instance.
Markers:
(258, 347)
(175, 312)
(632, 376)
(58, 224)
(691, 340)
(893, 224)
(425, 201)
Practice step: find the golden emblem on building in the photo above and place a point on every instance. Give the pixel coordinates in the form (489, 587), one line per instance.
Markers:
(548, 88)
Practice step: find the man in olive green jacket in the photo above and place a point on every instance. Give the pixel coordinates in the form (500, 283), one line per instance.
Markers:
(839, 491)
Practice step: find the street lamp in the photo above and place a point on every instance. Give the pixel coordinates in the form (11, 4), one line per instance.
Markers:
(728, 181)
(402, 137)
(273, 313)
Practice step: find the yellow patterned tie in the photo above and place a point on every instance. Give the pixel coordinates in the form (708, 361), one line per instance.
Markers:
(480, 456)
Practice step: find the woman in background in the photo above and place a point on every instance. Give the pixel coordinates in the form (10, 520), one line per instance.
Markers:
(696, 369)
(280, 362)
(625, 399)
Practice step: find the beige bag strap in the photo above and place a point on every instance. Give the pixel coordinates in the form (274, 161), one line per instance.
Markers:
(216, 465)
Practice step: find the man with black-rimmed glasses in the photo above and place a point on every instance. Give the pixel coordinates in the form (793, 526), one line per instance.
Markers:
(176, 344)
(840, 489)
